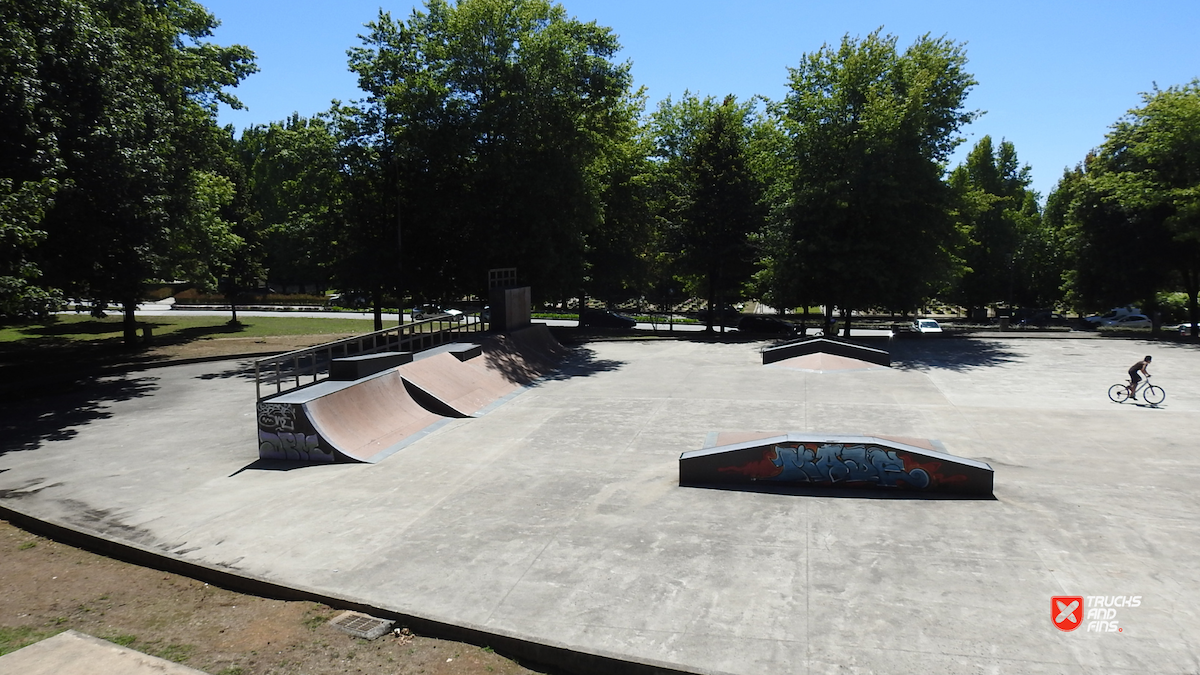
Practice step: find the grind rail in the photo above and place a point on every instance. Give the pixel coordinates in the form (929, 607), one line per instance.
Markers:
(286, 371)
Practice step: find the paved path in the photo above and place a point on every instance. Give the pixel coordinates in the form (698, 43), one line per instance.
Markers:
(558, 516)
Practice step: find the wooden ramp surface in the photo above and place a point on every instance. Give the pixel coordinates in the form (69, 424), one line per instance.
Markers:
(371, 417)
(464, 387)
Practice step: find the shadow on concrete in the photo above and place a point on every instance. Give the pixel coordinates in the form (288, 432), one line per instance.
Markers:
(956, 354)
(583, 363)
(239, 371)
(28, 423)
(275, 465)
(845, 493)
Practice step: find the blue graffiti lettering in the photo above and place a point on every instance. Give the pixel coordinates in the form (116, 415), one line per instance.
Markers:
(835, 463)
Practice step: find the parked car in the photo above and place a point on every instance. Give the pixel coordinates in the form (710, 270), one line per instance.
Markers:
(1130, 321)
(1112, 315)
(727, 315)
(759, 323)
(427, 311)
(602, 318)
(925, 326)
(1044, 318)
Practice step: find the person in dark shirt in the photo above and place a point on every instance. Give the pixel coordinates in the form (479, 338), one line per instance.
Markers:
(1135, 375)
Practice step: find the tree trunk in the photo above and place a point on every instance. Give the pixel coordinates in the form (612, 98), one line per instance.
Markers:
(130, 323)
(377, 301)
(846, 321)
(711, 302)
(1191, 280)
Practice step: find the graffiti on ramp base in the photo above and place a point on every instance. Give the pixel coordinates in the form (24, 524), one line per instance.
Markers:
(829, 464)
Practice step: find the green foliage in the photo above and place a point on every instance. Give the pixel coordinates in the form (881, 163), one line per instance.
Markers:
(108, 110)
(710, 194)
(1130, 213)
(1007, 254)
(478, 144)
(871, 128)
(13, 638)
(68, 328)
(294, 188)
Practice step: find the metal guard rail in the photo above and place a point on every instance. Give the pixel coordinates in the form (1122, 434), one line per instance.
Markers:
(414, 336)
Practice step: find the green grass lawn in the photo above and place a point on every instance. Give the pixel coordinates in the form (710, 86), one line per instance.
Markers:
(68, 328)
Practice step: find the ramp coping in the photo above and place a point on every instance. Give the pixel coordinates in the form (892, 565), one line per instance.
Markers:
(843, 439)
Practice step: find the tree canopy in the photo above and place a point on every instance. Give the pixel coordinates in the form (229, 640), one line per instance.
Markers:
(1130, 213)
(871, 127)
(109, 114)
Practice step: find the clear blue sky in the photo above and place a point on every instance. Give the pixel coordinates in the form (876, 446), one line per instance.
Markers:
(1053, 75)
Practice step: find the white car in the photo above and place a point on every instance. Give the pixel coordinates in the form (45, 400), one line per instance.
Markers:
(1114, 314)
(1130, 321)
(926, 326)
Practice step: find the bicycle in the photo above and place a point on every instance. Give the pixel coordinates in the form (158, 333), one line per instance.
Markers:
(1119, 393)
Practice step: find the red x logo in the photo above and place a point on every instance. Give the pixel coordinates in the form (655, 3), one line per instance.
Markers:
(1066, 611)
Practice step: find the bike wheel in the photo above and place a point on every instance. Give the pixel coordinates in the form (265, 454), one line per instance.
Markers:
(1153, 395)
(1118, 393)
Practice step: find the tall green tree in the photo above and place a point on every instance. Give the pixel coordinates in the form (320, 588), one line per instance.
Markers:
(711, 201)
(1134, 205)
(488, 117)
(293, 172)
(1001, 222)
(871, 129)
(116, 111)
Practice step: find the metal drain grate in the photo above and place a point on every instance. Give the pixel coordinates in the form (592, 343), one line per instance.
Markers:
(361, 625)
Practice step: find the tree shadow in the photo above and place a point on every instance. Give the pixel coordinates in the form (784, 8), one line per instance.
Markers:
(238, 370)
(956, 354)
(42, 416)
(582, 362)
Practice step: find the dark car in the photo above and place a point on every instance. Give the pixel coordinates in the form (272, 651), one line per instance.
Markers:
(601, 318)
(1041, 318)
(727, 316)
(758, 323)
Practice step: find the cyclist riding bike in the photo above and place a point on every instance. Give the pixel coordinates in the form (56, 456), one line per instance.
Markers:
(1135, 377)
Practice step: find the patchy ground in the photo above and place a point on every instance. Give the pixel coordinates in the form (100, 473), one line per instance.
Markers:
(47, 587)
(213, 347)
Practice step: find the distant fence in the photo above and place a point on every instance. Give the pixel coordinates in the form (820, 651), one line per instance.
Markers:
(305, 367)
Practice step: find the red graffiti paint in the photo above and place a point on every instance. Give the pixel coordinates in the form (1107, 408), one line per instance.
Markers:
(933, 468)
(763, 468)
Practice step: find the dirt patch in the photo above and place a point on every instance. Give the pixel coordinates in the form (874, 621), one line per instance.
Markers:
(47, 587)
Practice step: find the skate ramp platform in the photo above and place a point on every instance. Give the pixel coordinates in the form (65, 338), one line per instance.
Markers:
(833, 462)
(455, 388)
(525, 355)
(370, 418)
(363, 420)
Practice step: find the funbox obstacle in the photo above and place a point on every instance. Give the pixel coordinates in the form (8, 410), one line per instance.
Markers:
(830, 461)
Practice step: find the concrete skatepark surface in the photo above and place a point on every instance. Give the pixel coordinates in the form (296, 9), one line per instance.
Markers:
(557, 516)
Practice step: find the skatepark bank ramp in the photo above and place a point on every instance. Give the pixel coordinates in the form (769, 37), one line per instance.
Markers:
(370, 418)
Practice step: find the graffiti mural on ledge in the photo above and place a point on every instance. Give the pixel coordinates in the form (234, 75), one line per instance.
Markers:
(829, 464)
(854, 462)
(284, 432)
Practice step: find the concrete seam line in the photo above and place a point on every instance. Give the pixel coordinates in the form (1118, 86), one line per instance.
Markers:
(564, 659)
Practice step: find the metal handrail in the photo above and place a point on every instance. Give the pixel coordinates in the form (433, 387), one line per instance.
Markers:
(306, 362)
